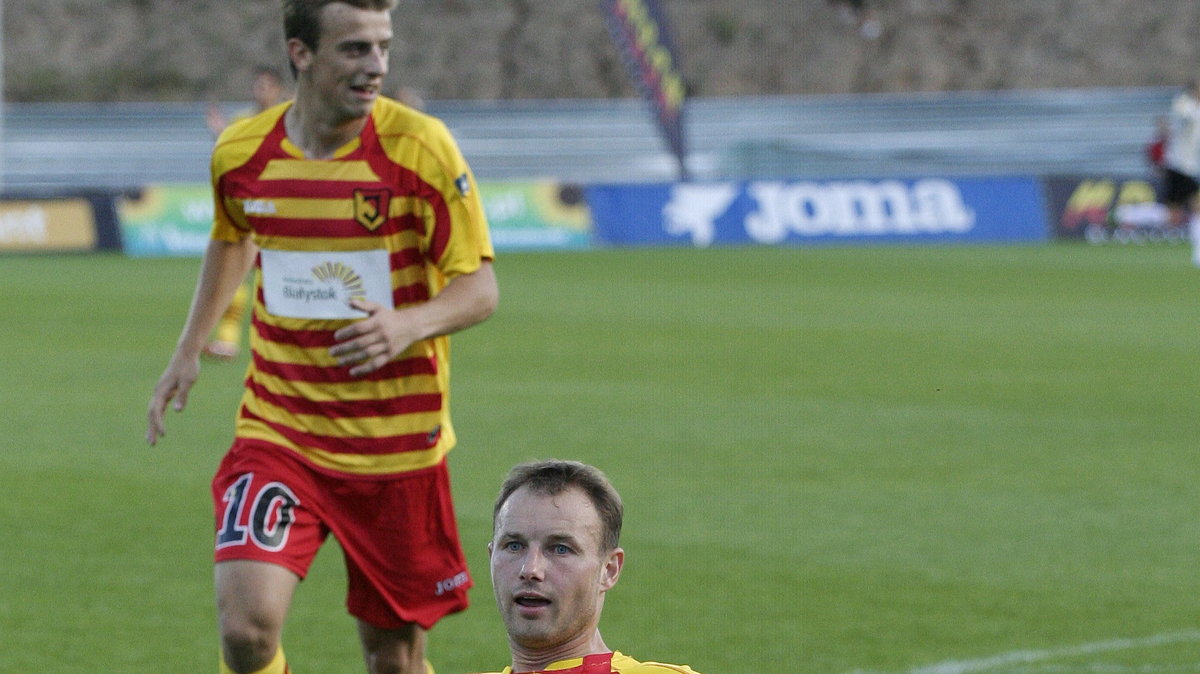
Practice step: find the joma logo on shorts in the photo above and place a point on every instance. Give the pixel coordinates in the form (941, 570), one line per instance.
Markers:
(450, 584)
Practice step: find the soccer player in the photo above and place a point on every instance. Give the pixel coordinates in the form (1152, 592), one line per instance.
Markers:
(1181, 184)
(369, 246)
(554, 556)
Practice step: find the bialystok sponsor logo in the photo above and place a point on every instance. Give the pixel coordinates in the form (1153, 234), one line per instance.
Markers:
(779, 210)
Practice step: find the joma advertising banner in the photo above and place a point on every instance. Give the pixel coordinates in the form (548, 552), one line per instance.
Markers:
(827, 211)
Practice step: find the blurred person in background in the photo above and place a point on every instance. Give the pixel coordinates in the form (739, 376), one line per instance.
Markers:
(267, 90)
(856, 13)
(1182, 164)
(1156, 154)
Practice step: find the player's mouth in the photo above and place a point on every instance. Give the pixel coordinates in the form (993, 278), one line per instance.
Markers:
(531, 602)
(365, 92)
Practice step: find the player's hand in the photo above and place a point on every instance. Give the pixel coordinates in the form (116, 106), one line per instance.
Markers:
(174, 384)
(372, 342)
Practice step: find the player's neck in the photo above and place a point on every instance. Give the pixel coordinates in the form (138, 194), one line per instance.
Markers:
(536, 660)
(317, 136)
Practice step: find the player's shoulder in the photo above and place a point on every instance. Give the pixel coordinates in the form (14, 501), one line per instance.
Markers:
(420, 142)
(626, 665)
(393, 118)
(252, 126)
(242, 138)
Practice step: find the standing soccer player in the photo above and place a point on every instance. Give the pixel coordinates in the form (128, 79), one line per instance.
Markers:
(369, 246)
(1181, 182)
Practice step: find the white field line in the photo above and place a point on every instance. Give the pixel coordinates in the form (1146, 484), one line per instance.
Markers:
(1026, 657)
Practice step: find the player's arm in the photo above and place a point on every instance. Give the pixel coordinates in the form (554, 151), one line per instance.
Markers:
(369, 344)
(222, 271)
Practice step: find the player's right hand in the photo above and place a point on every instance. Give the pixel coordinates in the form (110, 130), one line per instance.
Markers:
(174, 384)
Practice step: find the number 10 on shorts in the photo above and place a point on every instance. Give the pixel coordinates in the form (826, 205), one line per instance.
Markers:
(270, 515)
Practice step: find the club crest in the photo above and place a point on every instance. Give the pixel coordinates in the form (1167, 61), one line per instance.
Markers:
(371, 207)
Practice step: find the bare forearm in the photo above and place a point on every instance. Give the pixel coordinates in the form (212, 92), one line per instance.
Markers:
(466, 301)
(222, 271)
(224, 267)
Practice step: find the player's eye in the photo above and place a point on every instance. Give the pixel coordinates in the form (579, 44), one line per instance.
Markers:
(561, 549)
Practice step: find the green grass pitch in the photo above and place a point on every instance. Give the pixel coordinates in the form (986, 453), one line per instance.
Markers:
(891, 460)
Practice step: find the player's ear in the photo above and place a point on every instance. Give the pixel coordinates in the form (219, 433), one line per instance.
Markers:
(612, 569)
(300, 54)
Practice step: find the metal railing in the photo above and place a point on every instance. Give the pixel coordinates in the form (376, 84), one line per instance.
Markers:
(122, 146)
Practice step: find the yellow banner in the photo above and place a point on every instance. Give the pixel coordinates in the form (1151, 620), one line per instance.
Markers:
(50, 225)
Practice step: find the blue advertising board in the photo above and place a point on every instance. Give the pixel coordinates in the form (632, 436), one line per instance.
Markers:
(924, 210)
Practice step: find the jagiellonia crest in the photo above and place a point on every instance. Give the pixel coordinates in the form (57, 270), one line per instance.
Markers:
(371, 207)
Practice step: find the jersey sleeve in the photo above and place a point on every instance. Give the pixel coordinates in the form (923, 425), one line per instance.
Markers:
(236, 145)
(456, 237)
(228, 224)
(470, 239)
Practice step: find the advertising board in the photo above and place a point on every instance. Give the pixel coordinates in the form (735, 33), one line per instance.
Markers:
(49, 225)
(174, 220)
(1002, 209)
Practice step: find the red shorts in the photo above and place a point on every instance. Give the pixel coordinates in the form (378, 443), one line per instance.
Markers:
(404, 561)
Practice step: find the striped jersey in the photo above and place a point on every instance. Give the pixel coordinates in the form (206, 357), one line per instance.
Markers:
(392, 217)
(609, 663)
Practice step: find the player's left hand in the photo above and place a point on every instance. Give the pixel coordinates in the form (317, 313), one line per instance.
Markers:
(370, 343)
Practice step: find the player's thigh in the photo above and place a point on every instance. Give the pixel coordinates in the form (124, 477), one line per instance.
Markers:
(253, 596)
(268, 508)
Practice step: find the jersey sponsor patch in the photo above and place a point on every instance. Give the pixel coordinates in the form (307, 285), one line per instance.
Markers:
(258, 207)
(320, 285)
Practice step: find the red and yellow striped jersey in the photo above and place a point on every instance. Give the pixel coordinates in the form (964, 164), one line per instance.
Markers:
(609, 663)
(396, 209)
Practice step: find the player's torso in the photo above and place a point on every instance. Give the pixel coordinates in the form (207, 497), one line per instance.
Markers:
(354, 226)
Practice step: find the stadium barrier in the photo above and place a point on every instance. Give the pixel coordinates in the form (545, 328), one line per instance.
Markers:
(57, 223)
(174, 220)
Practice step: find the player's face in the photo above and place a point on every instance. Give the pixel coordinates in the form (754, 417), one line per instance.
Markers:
(267, 90)
(548, 572)
(347, 70)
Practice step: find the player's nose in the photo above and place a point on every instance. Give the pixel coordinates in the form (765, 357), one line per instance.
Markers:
(533, 565)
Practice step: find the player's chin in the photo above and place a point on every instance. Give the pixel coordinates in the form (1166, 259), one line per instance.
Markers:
(533, 636)
(356, 105)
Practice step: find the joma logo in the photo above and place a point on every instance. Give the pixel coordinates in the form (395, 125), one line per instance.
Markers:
(258, 207)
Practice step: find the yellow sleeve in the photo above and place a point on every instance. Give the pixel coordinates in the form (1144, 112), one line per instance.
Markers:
(423, 144)
(235, 146)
